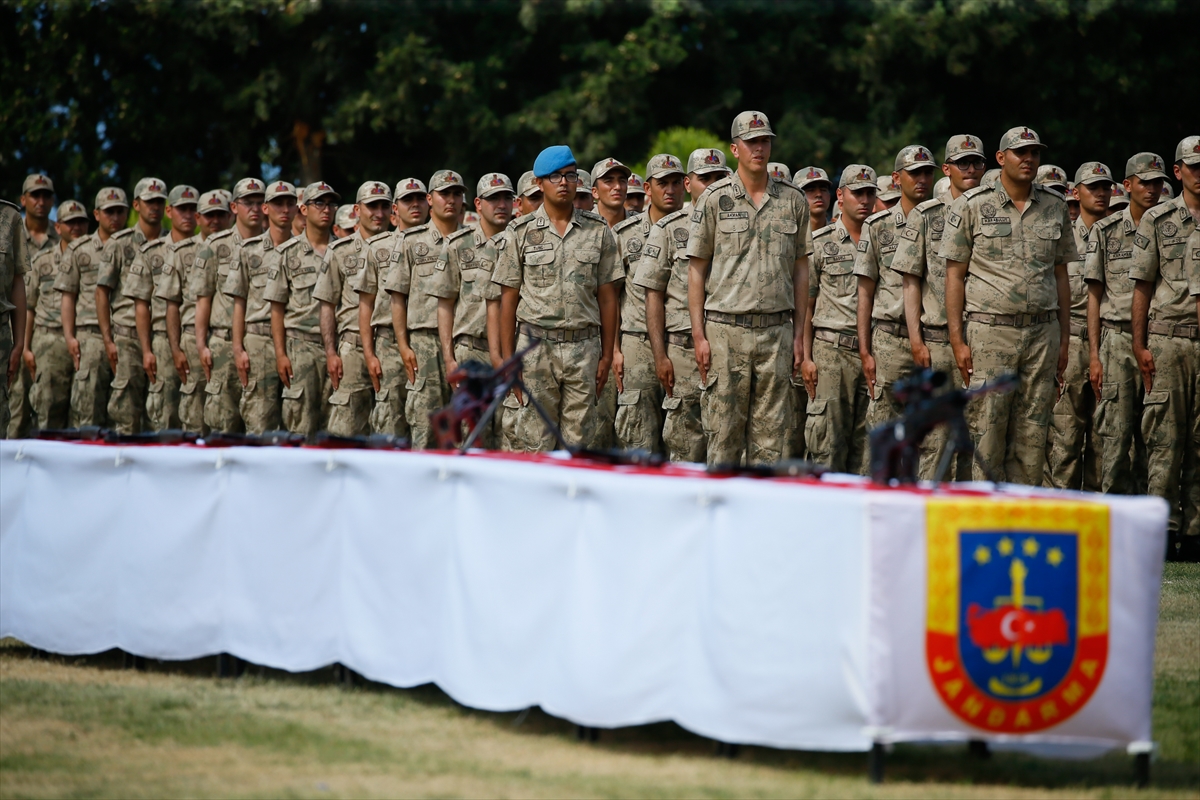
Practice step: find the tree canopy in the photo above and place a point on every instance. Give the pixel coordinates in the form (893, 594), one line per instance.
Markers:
(207, 91)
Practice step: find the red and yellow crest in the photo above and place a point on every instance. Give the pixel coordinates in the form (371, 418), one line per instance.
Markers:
(1016, 634)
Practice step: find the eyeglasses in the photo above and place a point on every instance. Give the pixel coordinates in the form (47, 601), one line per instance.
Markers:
(968, 164)
(320, 204)
(556, 178)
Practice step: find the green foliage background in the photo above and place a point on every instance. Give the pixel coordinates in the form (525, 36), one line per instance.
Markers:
(206, 91)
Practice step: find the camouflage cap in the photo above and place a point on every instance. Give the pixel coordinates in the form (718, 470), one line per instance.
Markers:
(493, 183)
(607, 165)
(410, 186)
(1119, 197)
(300, 196)
(1017, 138)
(811, 175)
(37, 182)
(150, 189)
(585, 178)
(1071, 188)
(779, 171)
(72, 209)
(705, 160)
(662, 165)
(1050, 175)
(1167, 192)
(280, 189)
(371, 191)
(319, 189)
(942, 187)
(751, 125)
(247, 186)
(990, 177)
(887, 188)
(346, 217)
(1188, 150)
(1146, 166)
(526, 185)
(913, 157)
(445, 179)
(1093, 172)
(225, 193)
(963, 145)
(183, 195)
(636, 185)
(470, 218)
(111, 196)
(213, 201)
(858, 176)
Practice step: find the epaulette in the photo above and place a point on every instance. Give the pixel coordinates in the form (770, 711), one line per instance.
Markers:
(1052, 191)
(1105, 223)
(977, 191)
(184, 242)
(150, 244)
(225, 234)
(10, 203)
(121, 234)
(411, 231)
(79, 242)
(887, 212)
(458, 234)
(379, 236)
(669, 218)
(253, 239)
(525, 219)
(626, 223)
(342, 242)
(592, 215)
(1159, 210)
(822, 231)
(787, 183)
(290, 243)
(928, 204)
(721, 184)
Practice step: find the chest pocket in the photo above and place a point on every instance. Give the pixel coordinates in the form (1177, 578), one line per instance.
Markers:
(733, 221)
(540, 268)
(1044, 240)
(584, 267)
(424, 259)
(839, 278)
(996, 239)
(783, 239)
(303, 279)
(470, 275)
(1171, 261)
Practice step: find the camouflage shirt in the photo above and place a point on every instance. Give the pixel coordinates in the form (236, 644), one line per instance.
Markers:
(1077, 271)
(175, 283)
(117, 272)
(291, 279)
(753, 251)
(344, 260)
(14, 255)
(1191, 263)
(145, 272)
(664, 267)
(414, 258)
(558, 276)
(1010, 254)
(78, 273)
(33, 248)
(377, 265)
(215, 259)
(464, 271)
(1109, 254)
(631, 243)
(40, 295)
(1158, 249)
(918, 256)
(247, 276)
(832, 279)
(881, 235)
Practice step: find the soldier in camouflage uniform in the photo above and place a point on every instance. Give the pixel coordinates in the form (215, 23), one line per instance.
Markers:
(883, 344)
(1113, 372)
(384, 365)
(261, 404)
(585, 200)
(557, 270)
(48, 358)
(37, 198)
(1166, 343)
(352, 399)
(462, 282)
(663, 272)
(296, 315)
(747, 280)
(924, 277)
(414, 309)
(214, 308)
(835, 431)
(529, 195)
(635, 196)
(1014, 241)
(14, 263)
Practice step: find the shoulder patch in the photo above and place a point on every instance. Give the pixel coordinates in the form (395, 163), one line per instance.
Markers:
(669, 218)
(978, 190)
(928, 204)
(878, 215)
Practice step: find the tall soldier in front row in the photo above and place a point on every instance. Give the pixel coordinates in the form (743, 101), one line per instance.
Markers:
(747, 284)
(14, 262)
(41, 237)
(1013, 239)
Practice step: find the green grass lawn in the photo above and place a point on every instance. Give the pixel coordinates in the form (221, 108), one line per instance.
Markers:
(87, 728)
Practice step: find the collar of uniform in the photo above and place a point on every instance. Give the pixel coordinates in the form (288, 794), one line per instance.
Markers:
(51, 234)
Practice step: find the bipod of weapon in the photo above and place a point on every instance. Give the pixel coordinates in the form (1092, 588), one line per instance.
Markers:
(268, 439)
(794, 468)
(375, 441)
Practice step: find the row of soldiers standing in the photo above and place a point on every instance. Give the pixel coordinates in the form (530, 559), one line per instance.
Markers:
(259, 326)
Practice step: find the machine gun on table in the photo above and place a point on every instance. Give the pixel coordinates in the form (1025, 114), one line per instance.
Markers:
(896, 445)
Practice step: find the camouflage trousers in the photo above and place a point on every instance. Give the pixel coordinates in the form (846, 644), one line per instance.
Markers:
(1009, 429)
(604, 433)
(192, 391)
(6, 348)
(429, 391)
(562, 377)
(50, 394)
(489, 438)
(746, 403)
(223, 392)
(387, 417)
(90, 387)
(893, 361)
(20, 413)
(1117, 424)
(306, 401)
(351, 403)
(638, 423)
(683, 430)
(836, 429)
(1071, 458)
(127, 401)
(261, 405)
(941, 358)
(162, 397)
(1171, 428)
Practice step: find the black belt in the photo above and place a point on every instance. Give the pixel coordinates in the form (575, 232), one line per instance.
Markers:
(846, 341)
(87, 328)
(894, 328)
(939, 334)
(749, 320)
(557, 335)
(475, 342)
(1012, 320)
(1179, 330)
(645, 337)
(683, 340)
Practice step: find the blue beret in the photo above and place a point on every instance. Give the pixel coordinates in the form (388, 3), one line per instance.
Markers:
(552, 159)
